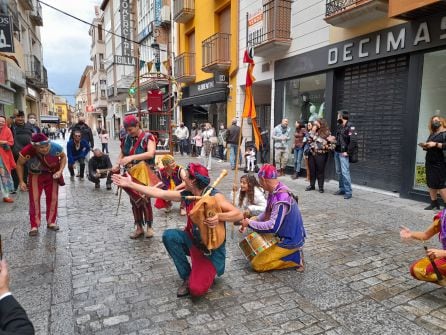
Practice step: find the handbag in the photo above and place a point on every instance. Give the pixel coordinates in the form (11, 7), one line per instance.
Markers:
(213, 140)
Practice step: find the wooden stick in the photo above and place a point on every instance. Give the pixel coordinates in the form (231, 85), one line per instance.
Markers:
(440, 279)
(119, 200)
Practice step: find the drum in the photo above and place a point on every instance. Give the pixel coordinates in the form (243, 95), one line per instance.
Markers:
(255, 243)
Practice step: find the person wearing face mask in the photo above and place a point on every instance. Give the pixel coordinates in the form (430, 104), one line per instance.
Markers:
(435, 160)
(343, 132)
(182, 134)
(221, 142)
(32, 123)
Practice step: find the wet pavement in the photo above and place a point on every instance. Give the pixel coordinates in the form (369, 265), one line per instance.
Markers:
(90, 278)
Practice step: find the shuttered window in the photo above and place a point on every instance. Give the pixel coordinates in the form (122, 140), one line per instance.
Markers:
(374, 93)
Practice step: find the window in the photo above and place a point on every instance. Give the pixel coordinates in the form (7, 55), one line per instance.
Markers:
(432, 102)
(99, 32)
(101, 62)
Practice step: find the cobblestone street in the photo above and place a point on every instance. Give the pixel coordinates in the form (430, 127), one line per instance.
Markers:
(90, 278)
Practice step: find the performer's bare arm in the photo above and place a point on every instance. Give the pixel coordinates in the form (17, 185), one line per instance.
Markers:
(154, 192)
(406, 233)
(19, 169)
(63, 162)
(229, 213)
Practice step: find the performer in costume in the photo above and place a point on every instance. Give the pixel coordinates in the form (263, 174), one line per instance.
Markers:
(198, 276)
(171, 175)
(422, 269)
(138, 146)
(281, 217)
(46, 161)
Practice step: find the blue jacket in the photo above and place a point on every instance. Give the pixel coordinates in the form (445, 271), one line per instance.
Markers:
(73, 154)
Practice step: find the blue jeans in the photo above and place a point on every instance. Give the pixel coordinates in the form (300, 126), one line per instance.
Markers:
(343, 171)
(298, 154)
(233, 154)
(183, 146)
(177, 244)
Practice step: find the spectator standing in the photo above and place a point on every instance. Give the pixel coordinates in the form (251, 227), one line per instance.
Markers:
(320, 144)
(232, 138)
(22, 136)
(299, 136)
(103, 137)
(123, 133)
(342, 164)
(264, 147)
(281, 137)
(208, 134)
(193, 133)
(198, 139)
(435, 162)
(85, 130)
(222, 142)
(7, 162)
(32, 123)
(182, 133)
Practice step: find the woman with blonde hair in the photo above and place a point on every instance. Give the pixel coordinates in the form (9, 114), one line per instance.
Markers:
(435, 160)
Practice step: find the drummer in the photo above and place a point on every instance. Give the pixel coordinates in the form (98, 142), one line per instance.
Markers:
(198, 276)
(137, 146)
(281, 217)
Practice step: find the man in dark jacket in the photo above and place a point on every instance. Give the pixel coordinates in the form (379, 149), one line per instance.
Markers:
(232, 140)
(99, 162)
(13, 318)
(22, 136)
(85, 130)
(342, 164)
(32, 123)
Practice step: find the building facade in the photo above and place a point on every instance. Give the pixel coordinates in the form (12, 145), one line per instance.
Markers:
(385, 64)
(207, 62)
(83, 99)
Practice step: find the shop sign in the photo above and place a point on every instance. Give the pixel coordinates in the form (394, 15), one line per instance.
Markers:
(255, 27)
(408, 37)
(6, 40)
(207, 85)
(157, 13)
(125, 60)
(31, 92)
(6, 96)
(89, 108)
(124, 9)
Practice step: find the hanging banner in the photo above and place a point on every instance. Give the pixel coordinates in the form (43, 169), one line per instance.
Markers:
(124, 9)
(6, 36)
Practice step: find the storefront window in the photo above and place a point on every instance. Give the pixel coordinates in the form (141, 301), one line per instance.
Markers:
(432, 102)
(304, 99)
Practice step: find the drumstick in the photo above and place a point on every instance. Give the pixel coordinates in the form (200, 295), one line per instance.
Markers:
(440, 279)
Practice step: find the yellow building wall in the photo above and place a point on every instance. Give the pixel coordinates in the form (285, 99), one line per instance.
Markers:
(64, 115)
(205, 24)
(338, 34)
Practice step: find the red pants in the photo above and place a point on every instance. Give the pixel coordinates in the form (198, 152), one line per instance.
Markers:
(38, 183)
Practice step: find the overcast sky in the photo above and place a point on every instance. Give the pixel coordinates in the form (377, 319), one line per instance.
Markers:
(66, 43)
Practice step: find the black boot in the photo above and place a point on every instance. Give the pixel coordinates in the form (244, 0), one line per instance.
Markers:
(434, 204)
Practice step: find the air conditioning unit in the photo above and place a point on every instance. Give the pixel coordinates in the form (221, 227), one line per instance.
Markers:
(165, 14)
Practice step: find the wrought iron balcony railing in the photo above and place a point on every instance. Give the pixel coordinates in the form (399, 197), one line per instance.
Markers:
(183, 10)
(351, 13)
(185, 67)
(36, 14)
(216, 53)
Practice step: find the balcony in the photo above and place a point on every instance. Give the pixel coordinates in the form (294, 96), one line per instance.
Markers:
(35, 73)
(185, 67)
(216, 53)
(183, 10)
(351, 13)
(26, 4)
(415, 9)
(36, 15)
(275, 35)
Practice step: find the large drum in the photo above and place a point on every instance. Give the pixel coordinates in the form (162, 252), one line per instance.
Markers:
(256, 243)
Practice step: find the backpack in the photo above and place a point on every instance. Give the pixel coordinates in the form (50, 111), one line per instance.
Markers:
(353, 146)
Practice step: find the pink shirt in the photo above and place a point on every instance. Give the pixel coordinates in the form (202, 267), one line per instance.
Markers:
(103, 138)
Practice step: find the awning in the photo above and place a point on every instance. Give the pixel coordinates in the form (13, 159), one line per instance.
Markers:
(204, 99)
(49, 119)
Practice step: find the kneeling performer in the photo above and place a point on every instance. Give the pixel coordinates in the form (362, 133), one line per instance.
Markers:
(206, 263)
(282, 218)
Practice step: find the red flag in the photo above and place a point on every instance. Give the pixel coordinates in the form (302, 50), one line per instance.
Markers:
(249, 108)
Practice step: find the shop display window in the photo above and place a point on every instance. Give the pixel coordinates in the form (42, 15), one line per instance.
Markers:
(432, 102)
(304, 99)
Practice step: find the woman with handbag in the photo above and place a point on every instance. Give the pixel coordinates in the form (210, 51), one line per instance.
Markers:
(7, 162)
(46, 161)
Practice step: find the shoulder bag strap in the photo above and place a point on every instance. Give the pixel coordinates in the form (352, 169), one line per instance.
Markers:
(138, 142)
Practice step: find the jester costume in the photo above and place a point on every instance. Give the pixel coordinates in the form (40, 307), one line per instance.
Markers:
(182, 243)
(40, 179)
(141, 206)
(281, 217)
(171, 178)
(422, 269)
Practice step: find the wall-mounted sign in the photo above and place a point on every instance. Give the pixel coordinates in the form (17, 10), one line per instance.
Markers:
(6, 40)
(125, 60)
(157, 13)
(255, 27)
(89, 108)
(124, 10)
